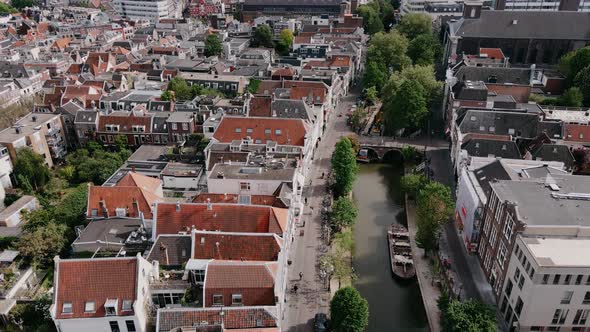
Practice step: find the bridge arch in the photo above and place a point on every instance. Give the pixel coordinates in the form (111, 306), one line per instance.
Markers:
(392, 155)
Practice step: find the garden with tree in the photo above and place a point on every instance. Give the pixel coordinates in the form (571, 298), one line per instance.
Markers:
(349, 311)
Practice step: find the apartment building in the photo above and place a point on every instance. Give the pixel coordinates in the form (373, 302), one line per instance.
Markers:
(547, 283)
(152, 10)
(42, 132)
(556, 5)
(556, 205)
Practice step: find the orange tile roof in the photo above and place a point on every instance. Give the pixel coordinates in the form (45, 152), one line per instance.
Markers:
(260, 106)
(62, 43)
(577, 132)
(125, 122)
(241, 275)
(131, 188)
(171, 219)
(235, 246)
(282, 131)
(94, 280)
(233, 199)
(318, 95)
(495, 53)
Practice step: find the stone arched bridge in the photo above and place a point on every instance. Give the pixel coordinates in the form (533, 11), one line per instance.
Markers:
(381, 146)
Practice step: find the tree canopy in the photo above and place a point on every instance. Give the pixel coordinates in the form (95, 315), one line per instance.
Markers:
(213, 45)
(349, 311)
(389, 49)
(468, 316)
(262, 36)
(7, 9)
(411, 184)
(344, 167)
(407, 108)
(375, 76)
(95, 165)
(343, 214)
(582, 82)
(30, 170)
(575, 66)
(434, 206)
(423, 49)
(414, 24)
(20, 4)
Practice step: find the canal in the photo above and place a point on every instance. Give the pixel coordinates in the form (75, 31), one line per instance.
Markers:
(394, 305)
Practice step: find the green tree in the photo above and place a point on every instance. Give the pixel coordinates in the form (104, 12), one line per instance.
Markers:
(371, 95)
(435, 202)
(582, 82)
(43, 243)
(349, 311)
(253, 86)
(389, 49)
(345, 241)
(370, 14)
(407, 108)
(424, 75)
(572, 97)
(168, 95)
(354, 140)
(182, 91)
(213, 45)
(286, 37)
(71, 210)
(468, 316)
(344, 167)
(414, 24)
(33, 316)
(375, 75)
(434, 206)
(411, 184)
(20, 4)
(343, 214)
(6, 9)
(31, 170)
(423, 49)
(356, 119)
(410, 155)
(262, 36)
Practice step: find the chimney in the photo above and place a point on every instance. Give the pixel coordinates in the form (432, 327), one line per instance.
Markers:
(209, 205)
(103, 207)
(225, 196)
(472, 9)
(135, 205)
(177, 206)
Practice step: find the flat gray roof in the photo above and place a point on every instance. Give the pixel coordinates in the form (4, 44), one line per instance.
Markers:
(537, 204)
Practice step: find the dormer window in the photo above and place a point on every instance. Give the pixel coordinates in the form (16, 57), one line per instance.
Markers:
(278, 132)
(110, 307)
(127, 305)
(121, 212)
(67, 308)
(90, 307)
(238, 130)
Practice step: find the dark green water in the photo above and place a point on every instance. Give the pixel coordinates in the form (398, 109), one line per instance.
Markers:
(393, 305)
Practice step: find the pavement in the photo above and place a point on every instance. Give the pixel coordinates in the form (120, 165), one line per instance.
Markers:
(426, 278)
(312, 295)
(470, 281)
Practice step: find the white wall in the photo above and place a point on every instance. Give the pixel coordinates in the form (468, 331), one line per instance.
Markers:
(232, 186)
(181, 182)
(466, 206)
(96, 324)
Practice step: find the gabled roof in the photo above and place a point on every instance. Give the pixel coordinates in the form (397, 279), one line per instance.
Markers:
(517, 124)
(94, 280)
(496, 148)
(241, 275)
(126, 120)
(235, 246)
(282, 131)
(260, 106)
(132, 188)
(173, 218)
(248, 318)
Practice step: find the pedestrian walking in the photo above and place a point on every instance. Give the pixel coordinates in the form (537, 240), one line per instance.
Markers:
(295, 288)
(300, 275)
(305, 200)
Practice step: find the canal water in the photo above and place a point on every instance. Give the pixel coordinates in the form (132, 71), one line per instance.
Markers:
(394, 305)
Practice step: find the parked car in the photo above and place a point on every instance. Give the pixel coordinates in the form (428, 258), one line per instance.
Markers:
(321, 322)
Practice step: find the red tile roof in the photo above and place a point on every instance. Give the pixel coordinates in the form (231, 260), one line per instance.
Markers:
(233, 199)
(495, 53)
(233, 318)
(577, 132)
(85, 280)
(234, 246)
(224, 274)
(221, 217)
(292, 131)
(260, 106)
(317, 94)
(131, 188)
(125, 121)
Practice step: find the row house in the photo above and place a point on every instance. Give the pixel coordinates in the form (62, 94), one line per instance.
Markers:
(229, 84)
(134, 127)
(102, 294)
(127, 100)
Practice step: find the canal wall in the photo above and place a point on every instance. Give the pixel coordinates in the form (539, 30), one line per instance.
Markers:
(426, 280)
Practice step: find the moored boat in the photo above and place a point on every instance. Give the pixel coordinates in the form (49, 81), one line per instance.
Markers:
(400, 252)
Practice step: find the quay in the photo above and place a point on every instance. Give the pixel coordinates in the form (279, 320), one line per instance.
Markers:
(428, 288)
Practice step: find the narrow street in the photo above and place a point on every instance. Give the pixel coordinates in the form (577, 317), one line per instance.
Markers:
(312, 296)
